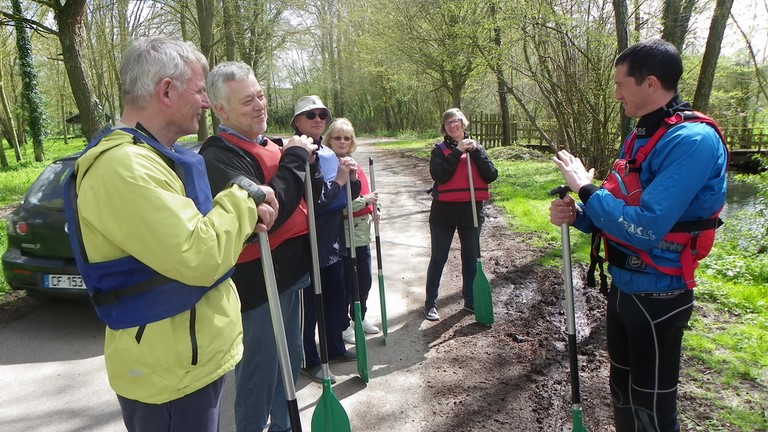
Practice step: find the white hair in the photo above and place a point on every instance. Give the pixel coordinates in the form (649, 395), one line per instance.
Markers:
(221, 74)
(148, 61)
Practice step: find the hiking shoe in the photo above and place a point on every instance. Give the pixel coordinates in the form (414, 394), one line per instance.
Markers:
(369, 328)
(349, 335)
(316, 374)
(470, 309)
(432, 314)
(348, 355)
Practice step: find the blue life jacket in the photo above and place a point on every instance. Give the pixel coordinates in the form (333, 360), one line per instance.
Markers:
(329, 166)
(126, 292)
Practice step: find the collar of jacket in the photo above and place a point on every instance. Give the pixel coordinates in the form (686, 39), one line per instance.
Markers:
(648, 124)
(449, 141)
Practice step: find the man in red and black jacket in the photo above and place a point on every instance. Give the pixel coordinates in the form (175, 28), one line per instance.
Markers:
(239, 148)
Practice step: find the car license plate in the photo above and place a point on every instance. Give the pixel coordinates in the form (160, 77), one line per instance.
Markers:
(63, 281)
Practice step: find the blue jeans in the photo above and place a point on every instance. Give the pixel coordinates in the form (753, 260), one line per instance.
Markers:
(335, 311)
(195, 412)
(441, 239)
(259, 389)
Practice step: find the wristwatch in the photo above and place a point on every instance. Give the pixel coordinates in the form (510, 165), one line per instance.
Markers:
(253, 189)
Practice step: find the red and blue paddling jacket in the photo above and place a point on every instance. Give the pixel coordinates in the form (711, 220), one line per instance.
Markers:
(672, 182)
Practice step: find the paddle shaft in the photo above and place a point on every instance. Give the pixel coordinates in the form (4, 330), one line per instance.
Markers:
(316, 272)
(329, 414)
(570, 314)
(472, 194)
(362, 357)
(382, 301)
(276, 313)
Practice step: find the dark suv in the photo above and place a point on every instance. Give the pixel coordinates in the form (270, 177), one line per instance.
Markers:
(39, 258)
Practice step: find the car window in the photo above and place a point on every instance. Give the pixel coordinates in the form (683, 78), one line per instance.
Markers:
(46, 191)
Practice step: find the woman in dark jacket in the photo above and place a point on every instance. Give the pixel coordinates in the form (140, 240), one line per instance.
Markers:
(451, 209)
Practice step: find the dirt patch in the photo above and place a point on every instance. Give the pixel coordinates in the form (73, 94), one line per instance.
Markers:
(514, 375)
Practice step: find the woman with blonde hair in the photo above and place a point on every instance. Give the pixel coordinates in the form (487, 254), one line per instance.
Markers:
(341, 138)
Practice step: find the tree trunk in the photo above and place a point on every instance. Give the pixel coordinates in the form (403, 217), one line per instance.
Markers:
(711, 54)
(228, 21)
(69, 18)
(205, 15)
(34, 110)
(501, 89)
(676, 15)
(622, 24)
(622, 41)
(8, 129)
(3, 159)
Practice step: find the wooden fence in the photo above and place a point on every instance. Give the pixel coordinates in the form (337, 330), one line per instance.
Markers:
(486, 128)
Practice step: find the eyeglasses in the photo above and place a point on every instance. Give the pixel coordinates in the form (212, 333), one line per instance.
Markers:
(341, 138)
(311, 115)
(454, 122)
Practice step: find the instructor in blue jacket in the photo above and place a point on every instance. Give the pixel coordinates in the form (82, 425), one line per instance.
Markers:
(655, 213)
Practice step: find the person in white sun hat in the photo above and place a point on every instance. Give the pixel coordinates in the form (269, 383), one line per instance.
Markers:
(341, 138)
(311, 118)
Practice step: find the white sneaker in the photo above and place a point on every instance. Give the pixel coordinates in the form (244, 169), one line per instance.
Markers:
(349, 335)
(369, 328)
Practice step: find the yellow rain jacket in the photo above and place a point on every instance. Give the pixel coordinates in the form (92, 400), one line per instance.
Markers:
(131, 202)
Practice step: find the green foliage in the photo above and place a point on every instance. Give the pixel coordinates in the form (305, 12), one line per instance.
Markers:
(733, 285)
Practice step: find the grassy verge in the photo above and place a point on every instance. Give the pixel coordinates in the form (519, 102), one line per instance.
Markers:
(725, 364)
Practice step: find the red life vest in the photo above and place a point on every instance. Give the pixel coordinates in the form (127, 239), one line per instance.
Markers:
(365, 189)
(457, 188)
(692, 239)
(269, 160)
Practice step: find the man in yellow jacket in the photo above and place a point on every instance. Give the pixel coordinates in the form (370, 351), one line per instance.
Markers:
(155, 250)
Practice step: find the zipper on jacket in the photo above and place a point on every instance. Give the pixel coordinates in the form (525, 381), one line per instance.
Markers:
(193, 334)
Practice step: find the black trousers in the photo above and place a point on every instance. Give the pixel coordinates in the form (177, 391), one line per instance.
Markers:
(645, 334)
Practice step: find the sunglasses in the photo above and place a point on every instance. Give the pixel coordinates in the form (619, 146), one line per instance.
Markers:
(341, 138)
(311, 115)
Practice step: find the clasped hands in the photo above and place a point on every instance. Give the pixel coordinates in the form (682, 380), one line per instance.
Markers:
(563, 211)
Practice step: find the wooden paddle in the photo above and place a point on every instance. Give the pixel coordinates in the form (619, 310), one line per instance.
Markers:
(362, 351)
(275, 311)
(329, 415)
(481, 289)
(382, 300)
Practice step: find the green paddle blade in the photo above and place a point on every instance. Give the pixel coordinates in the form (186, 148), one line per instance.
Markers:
(362, 351)
(578, 423)
(383, 303)
(481, 292)
(329, 415)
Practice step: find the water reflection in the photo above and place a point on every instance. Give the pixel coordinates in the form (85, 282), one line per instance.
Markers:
(740, 196)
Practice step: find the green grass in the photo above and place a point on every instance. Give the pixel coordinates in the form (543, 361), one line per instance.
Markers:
(725, 364)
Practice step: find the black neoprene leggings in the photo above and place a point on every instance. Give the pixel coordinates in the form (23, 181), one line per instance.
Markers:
(645, 334)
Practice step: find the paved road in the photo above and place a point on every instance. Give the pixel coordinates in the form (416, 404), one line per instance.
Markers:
(52, 375)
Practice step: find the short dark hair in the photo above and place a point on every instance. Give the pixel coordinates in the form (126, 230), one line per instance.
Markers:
(655, 57)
